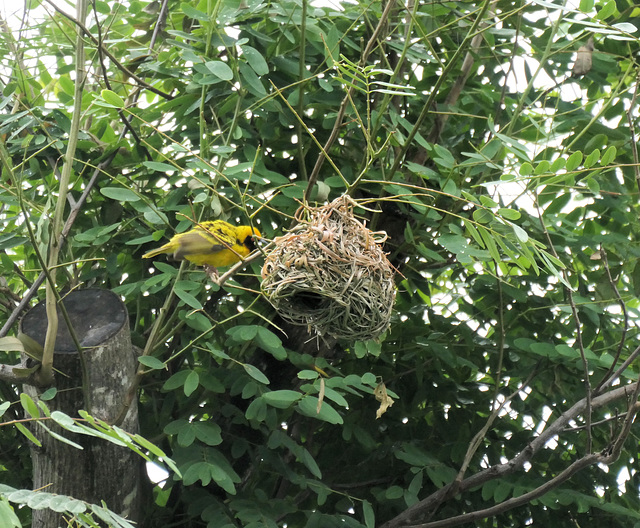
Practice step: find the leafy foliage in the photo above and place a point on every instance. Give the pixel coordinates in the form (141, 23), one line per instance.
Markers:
(509, 190)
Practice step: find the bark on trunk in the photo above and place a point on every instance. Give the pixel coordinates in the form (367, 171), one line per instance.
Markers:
(102, 471)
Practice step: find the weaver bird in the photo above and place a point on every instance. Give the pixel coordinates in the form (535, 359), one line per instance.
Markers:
(212, 244)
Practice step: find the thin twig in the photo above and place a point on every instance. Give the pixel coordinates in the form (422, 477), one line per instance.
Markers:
(427, 108)
(148, 349)
(101, 52)
(115, 61)
(623, 307)
(632, 411)
(343, 105)
(632, 131)
(634, 355)
(458, 85)
(578, 326)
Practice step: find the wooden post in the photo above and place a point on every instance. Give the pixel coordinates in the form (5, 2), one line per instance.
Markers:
(102, 471)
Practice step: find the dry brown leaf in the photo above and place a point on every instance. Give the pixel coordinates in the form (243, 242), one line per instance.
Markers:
(380, 392)
(584, 59)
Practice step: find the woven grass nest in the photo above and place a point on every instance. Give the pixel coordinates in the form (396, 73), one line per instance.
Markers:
(330, 274)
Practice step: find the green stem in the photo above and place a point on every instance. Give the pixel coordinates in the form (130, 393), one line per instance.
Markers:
(152, 342)
(46, 372)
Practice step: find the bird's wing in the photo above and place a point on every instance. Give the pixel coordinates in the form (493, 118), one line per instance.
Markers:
(197, 243)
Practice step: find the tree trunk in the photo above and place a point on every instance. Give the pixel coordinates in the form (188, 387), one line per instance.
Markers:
(102, 471)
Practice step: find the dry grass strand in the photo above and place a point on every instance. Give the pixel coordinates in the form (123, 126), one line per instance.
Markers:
(330, 273)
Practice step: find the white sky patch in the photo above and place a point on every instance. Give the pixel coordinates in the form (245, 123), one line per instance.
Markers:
(157, 474)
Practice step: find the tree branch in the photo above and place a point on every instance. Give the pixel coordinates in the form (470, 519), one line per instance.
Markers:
(8, 374)
(423, 508)
(586, 461)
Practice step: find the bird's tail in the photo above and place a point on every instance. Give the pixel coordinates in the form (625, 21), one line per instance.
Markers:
(154, 252)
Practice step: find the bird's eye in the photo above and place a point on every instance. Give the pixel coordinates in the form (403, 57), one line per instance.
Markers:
(250, 243)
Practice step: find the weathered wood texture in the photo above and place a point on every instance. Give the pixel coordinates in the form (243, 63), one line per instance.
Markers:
(102, 471)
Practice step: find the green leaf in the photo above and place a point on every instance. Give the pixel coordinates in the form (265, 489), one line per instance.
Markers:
(607, 10)
(176, 381)
(335, 397)
(520, 233)
(255, 60)
(310, 463)
(543, 349)
(256, 374)
(208, 433)
(488, 202)
(625, 27)
(152, 362)
(312, 374)
(63, 419)
(198, 321)
(526, 169)
(502, 491)
(251, 81)
(112, 98)
(308, 406)
(220, 69)
(609, 155)
(3, 407)
(29, 405)
(192, 12)
(369, 515)
(443, 157)
(159, 166)
(360, 349)
(474, 232)
(490, 244)
(542, 167)
(243, 333)
(482, 216)
(509, 214)
(591, 159)
(586, 5)
(11, 344)
(166, 268)
(271, 343)
(8, 518)
(191, 383)
(593, 185)
(257, 410)
(574, 161)
(281, 399)
(188, 299)
(393, 493)
(120, 194)
(49, 394)
(28, 434)
(59, 437)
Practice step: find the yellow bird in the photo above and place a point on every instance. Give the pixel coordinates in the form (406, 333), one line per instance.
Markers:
(212, 244)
